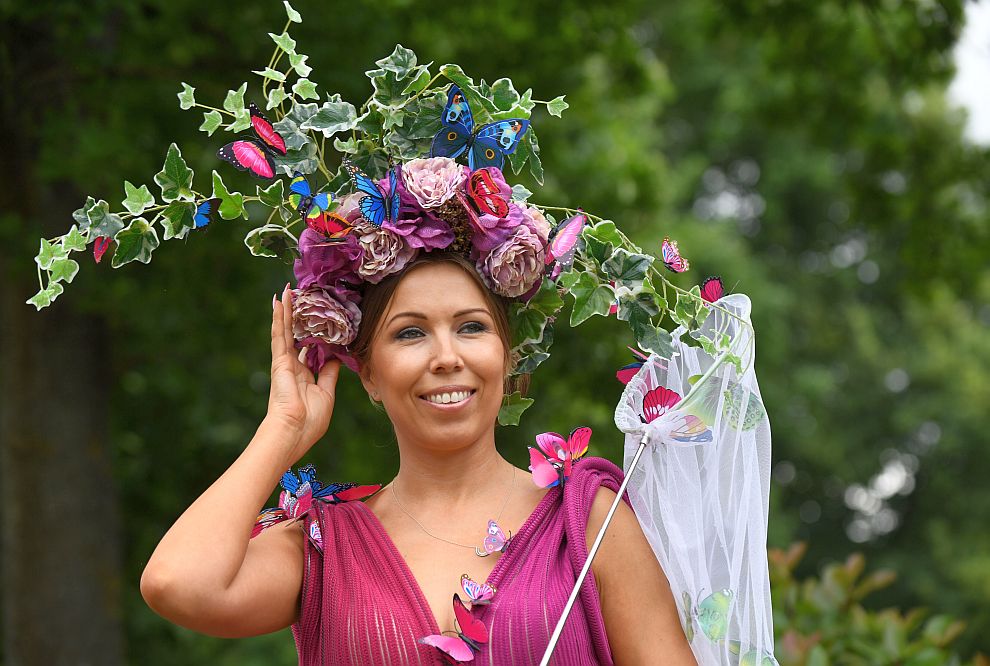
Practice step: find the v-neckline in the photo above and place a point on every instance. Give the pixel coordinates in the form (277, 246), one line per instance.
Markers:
(494, 577)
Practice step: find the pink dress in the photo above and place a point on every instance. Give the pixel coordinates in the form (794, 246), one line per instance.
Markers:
(361, 604)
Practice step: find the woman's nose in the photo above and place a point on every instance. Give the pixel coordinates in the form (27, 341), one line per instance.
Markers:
(446, 355)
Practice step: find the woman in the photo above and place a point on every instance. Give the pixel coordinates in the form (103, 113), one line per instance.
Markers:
(433, 350)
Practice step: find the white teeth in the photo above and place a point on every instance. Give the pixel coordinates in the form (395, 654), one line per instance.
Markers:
(448, 398)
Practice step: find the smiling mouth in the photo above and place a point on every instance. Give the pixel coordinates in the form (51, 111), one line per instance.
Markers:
(449, 398)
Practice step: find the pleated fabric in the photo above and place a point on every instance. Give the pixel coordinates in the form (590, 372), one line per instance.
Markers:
(361, 604)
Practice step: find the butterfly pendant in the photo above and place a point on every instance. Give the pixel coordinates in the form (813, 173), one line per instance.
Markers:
(495, 541)
(377, 206)
(470, 635)
(563, 244)
(255, 155)
(205, 213)
(478, 593)
(671, 256)
(712, 289)
(486, 147)
(551, 464)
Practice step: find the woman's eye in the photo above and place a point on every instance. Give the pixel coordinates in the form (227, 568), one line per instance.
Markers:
(474, 327)
(408, 333)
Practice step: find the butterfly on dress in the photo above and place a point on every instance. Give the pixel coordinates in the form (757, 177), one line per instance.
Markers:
(671, 256)
(712, 288)
(205, 212)
(313, 209)
(378, 206)
(495, 541)
(255, 155)
(486, 147)
(478, 593)
(468, 638)
(551, 464)
(563, 244)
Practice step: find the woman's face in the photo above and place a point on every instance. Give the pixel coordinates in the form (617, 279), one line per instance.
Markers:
(437, 362)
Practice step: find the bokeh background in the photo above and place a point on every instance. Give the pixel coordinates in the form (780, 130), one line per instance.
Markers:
(809, 152)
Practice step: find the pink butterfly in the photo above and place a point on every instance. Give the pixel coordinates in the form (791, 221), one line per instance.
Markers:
(495, 541)
(563, 244)
(471, 634)
(551, 465)
(658, 401)
(479, 593)
(671, 256)
(627, 372)
(712, 289)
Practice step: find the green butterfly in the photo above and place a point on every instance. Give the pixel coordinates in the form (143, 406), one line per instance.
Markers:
(712, 615)
(735, 397)
(753, 657)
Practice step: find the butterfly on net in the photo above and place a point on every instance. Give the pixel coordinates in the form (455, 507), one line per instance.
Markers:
(479, 594)
(659, 405)
(551, 463)
(563, 244)
(377, 206)
(468, 638)
(495, 541)
(486, 147)
(671, 256)
(711, 614)
(256, 155)
(313, 208)
(712, 288)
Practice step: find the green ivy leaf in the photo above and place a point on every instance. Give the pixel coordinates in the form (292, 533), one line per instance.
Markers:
(527, 363)
(604, 231)
(178, 219)
(272, 196)
(504, 94)
(305, 89)
(73, 241)
(211, 122)
(349, 147)
(547, 300)
(388, 90)
(275, 97)
(333, 117)
(136, 242)
(526, 324)
(418, 81)
(231, 203)
(526, 102)
(590, 298)
(272, 240)
(294, 16)
(640, 305)
(63, 270)
(49, 253)
(512, 408)
(305, 160)
(401, 62)
(137, 198)
(475, 97)
(46, 297)
(535, 164)
(656, 340)
(520, 192)
(175, 178)
(101, 221)
(689, 310)
(284, 42)
(79, 215)
(187, 96)
(597, 249)
(289, 128)
(627, 268)
(270, 74)
(556, 106)
(242, 120)
(298, 63)
(234, 101)
(568, 279)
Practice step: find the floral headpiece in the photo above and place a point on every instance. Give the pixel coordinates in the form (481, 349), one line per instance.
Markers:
(419, 167)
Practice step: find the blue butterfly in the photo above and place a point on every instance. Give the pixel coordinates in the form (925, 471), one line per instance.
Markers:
(377, 207)
(302, 198)
(205, 212)
(486, 147)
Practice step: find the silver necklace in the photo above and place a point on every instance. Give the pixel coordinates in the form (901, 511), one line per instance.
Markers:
(495, 540)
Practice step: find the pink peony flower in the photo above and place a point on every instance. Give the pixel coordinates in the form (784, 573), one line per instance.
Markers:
(317, 353)
(324, 264)
(433, 180)
(490, 231)
(384, 252)
(419, 227)
(536, 221)
(332, 318)
(347, 207)
(516, 266)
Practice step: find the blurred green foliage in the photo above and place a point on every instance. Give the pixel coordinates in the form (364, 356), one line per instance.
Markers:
(804, 151)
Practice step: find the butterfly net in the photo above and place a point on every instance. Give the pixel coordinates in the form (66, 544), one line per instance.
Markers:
(701, 488)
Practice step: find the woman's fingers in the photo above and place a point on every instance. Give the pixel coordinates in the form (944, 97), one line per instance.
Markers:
(287, 318)
(278, 337)
(328, 377)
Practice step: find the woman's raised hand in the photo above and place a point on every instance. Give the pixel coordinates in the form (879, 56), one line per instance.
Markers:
(297, 402)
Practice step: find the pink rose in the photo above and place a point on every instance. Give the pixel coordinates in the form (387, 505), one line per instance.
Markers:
(334, 319)
(516, 266)
(433, 180)
(536, 221)
(385, 252)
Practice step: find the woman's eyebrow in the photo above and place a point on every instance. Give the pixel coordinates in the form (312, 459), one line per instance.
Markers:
(420, 315)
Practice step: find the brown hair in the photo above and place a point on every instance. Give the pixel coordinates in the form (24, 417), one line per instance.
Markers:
(377, 296)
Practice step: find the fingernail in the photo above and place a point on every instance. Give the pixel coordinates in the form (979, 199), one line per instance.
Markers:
(274, 301)
(287, 286)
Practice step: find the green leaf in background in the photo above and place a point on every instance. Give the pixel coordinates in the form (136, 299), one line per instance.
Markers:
(242, 120)
(305, 89)
(211, 122)
(270, 74)
(298, 63)
(568, 279)
(234, 101)
(512, 409)
(63, 270)
(401, 62)
(272, 196)
(632, 305)
(293, 15)
(654, 339)
(284, 42)
(689, 310)
(504, 94)
(80, 216)
(135, 243)
(177, 219)
(305, 160)
(604, 231)
(187, 96)
(598, 250)
(590, 298)
(48, 253)
(627, 268)
(272, 240)
(175, 178)
(556, 106)
(520, 192)
(333, 117)
(526, 102)
(547, 300)
(535, 164)
(388, 90)
(136, 199)
(275, 97)
(46, 297)
(73, 241)
(231, 203)
(289, 126)
(420, 78)
(101, 221)
(526, 324)
(475, 98)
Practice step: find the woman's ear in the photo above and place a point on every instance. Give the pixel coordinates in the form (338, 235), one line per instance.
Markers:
(364, 372)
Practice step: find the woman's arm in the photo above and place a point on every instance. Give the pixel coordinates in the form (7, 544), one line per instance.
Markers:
(206, 573)
(641, 617)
